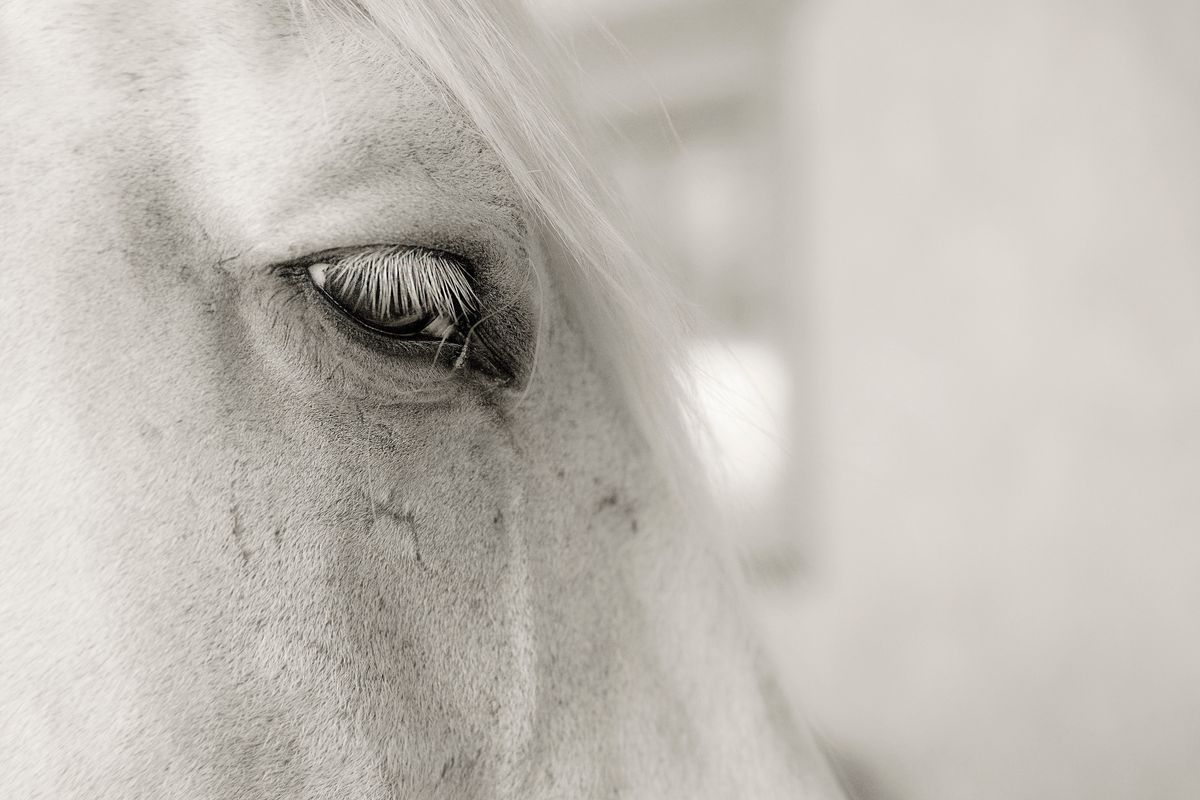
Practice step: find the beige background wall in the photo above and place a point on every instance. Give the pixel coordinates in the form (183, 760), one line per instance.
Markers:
(1003, 234)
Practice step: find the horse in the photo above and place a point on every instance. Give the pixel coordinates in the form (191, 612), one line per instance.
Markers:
(343, 455)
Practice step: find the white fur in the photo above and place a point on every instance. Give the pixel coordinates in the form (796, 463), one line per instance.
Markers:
(244, 555)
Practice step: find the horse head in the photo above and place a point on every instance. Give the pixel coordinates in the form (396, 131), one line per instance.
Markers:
(338, 428)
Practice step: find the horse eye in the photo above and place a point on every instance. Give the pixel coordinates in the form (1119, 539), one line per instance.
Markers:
(401, 291)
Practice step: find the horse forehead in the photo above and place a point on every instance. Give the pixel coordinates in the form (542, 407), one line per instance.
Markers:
(251, 110)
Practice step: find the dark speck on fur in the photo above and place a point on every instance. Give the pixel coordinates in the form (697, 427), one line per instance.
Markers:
(608, 501)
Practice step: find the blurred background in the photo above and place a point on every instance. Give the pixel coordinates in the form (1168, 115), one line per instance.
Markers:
(950, 257)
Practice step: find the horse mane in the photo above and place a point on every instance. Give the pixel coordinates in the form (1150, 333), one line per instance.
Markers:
(492, 60)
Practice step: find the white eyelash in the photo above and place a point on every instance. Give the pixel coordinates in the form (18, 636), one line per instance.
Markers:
(400, 281)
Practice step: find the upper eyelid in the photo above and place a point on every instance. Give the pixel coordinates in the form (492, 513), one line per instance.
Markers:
(318, 256)
(482, 229)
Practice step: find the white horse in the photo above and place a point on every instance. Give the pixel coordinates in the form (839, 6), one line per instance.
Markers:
(340, 457)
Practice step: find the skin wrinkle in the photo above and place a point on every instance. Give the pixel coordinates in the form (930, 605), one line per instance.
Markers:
(214, 611)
